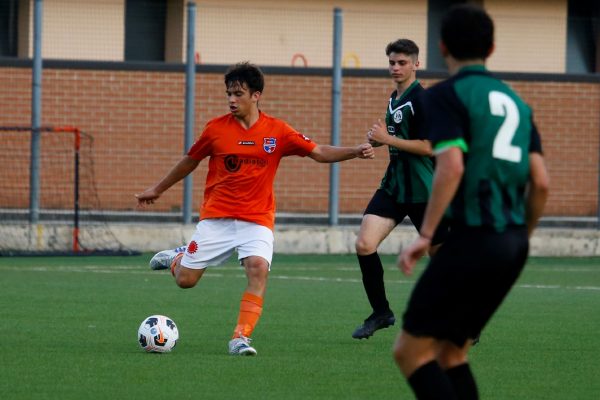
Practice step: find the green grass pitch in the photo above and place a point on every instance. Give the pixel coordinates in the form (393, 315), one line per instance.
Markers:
(69, 325)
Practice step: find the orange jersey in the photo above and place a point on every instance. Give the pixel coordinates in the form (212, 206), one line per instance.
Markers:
(243, 164)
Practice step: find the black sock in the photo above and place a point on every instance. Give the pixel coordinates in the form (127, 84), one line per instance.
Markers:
(429, 382)
(372, 277)
(463, 382)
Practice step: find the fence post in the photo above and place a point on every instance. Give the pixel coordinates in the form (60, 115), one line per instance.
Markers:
(36, 115)
(190, 94)
(336, 111)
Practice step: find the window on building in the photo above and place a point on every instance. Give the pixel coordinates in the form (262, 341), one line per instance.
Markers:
(8, 27)
(583, 37)
(436, 10)
(145, 23)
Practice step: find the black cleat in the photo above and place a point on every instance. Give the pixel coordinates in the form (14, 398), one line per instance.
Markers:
(374, 323)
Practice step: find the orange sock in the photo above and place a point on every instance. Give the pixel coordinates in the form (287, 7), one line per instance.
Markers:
(250, 309)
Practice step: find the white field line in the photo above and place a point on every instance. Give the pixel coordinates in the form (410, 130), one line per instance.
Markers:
(124, 269)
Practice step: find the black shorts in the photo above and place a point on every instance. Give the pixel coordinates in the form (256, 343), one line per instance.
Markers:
(465, 283)
(384, 205)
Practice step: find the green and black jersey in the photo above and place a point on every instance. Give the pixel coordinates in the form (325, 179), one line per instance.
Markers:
(494, 127)
(408, 176)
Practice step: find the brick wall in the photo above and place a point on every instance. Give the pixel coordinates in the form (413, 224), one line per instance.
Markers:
(136, 118)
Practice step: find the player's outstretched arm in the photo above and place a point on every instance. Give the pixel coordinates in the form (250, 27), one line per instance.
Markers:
(378, 134)
(537, 191)
(182, 169)
(329, 154)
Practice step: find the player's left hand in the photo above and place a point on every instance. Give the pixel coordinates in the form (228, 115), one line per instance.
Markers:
(409, 256)
(365, 150)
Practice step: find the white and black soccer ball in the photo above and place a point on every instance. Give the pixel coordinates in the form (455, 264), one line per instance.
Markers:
(158, 334)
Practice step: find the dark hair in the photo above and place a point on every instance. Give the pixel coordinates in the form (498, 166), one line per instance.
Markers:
(247, 74)
(467, 31)
(404, 46)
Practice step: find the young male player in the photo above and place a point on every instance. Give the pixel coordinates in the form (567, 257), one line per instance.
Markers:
(405, 187)
(238, 213)
(491, 183)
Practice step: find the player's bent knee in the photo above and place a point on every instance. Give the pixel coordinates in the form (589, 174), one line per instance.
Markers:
(398, 354)
(403, 358)
(410, 352)
(364, 247)
(401, 350)
(256, 266)
(185, 283)
(187, 278)
(451, 356)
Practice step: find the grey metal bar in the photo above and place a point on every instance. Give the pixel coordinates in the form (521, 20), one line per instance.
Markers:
(36, 114)
(190, 95)
(336, 112)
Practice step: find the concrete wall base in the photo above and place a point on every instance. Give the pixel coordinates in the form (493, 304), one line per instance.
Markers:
(301, 239)
(290, 239)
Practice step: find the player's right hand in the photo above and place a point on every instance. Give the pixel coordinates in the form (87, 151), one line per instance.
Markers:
(365, 150)
(409, 256)
(148, 196)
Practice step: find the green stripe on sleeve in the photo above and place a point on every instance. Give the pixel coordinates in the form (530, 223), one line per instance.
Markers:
(446, 144)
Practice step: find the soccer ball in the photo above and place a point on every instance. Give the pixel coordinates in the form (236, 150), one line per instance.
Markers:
(158, 334)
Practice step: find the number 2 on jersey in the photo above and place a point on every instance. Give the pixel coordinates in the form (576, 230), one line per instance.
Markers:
(502, 105)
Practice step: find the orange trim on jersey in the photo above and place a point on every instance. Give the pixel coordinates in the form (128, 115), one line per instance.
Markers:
(242, 166)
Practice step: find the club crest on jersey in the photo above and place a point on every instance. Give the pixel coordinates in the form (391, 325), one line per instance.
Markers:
(398, 116)
(269, 144)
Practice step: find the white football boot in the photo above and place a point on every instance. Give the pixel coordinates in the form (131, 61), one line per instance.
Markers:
(240, 346)
(164, 259)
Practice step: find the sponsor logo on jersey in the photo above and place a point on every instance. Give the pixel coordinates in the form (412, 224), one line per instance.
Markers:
(398, 116)
(305, 138)
(246, 143)
(233, 163)
(397, 112)
(269, 144)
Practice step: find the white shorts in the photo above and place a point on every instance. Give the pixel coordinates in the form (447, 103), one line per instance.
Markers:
(215, 240)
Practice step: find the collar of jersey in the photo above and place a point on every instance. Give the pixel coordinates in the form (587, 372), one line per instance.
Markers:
(405, 93)
(261, 117)
(473, 68)
(398, 102)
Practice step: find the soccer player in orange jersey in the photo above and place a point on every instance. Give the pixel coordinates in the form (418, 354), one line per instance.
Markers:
(238, 212)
